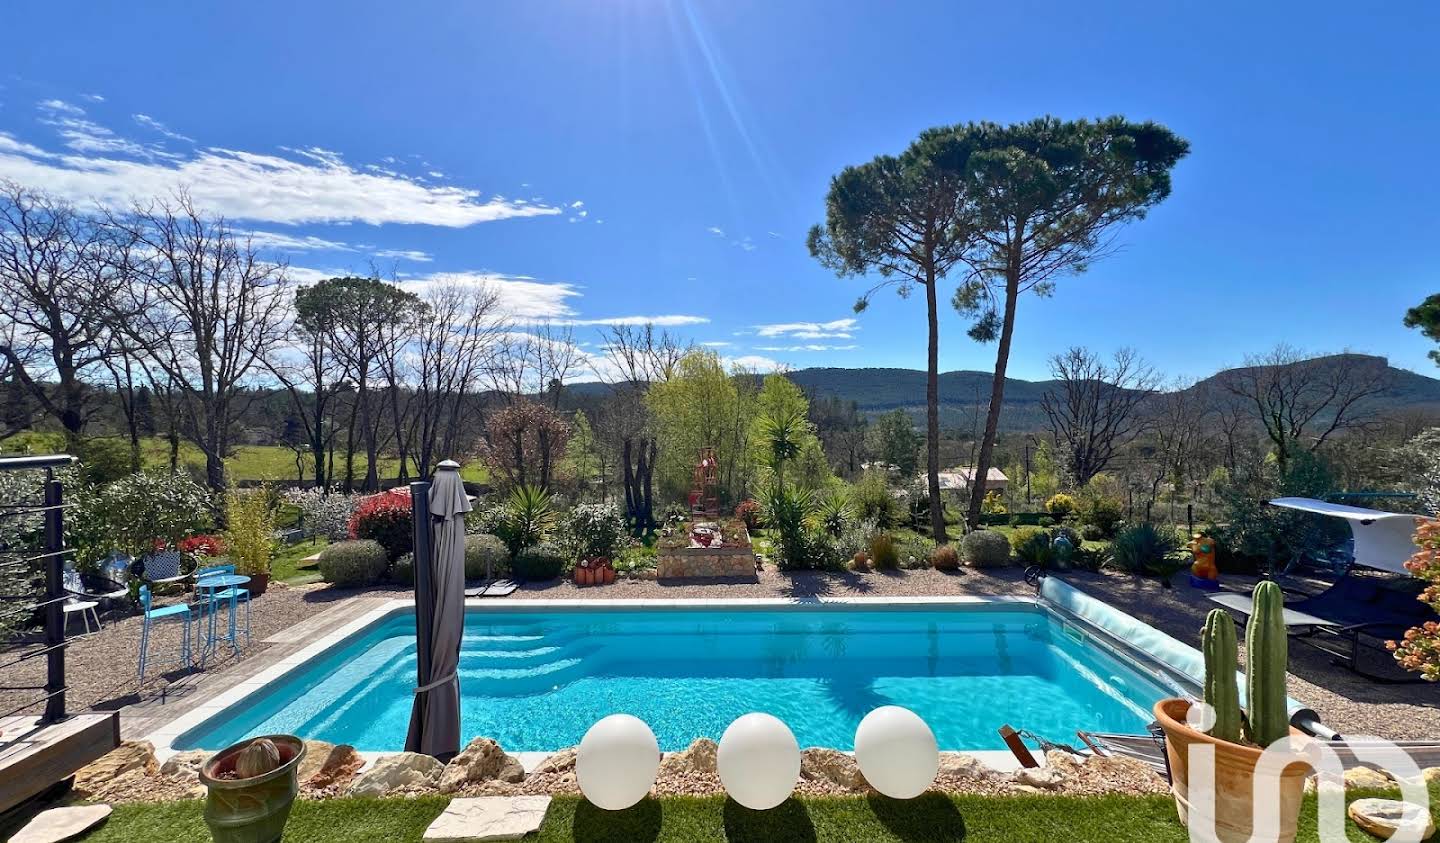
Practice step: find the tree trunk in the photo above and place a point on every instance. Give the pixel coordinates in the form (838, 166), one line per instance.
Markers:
(932, 415)
(997, 396)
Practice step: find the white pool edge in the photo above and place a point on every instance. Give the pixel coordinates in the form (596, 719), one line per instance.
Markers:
(164, 737)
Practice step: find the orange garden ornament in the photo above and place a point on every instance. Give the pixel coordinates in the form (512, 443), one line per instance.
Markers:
(1204, 573)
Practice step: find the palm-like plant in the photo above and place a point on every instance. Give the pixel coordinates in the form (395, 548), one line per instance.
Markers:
(528, 515)
(784, 429)
(833, 514)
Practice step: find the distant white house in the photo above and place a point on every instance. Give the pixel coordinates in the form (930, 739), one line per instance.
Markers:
(958, 480)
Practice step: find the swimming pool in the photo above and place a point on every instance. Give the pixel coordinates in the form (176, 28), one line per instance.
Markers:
(535, 680)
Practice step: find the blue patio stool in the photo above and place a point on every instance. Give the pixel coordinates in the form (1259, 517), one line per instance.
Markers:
(151, 615)
(213, 599)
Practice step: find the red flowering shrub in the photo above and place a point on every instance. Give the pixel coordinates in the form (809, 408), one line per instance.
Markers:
(749, 512)
(386, 519)
(210, 546)
(1420, 651)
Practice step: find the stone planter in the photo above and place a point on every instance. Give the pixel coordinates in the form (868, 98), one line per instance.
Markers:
(252, 810)
(1235, 795)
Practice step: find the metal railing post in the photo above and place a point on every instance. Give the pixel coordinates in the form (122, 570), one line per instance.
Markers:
(54, 595)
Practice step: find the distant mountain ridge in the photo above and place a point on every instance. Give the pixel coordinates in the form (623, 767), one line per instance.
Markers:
(965, 394)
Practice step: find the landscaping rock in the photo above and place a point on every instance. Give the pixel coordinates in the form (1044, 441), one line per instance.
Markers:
(405, 772)
(58, 824)
(958, 765)
(185, 765)
(129, 757)
(315, 754)
(480, 762)
(1385, 817)
(698, 757)
(335, 769)
(561, 762)
(489, 818)
(1365, 778)
(1041, 778)
(832, 766)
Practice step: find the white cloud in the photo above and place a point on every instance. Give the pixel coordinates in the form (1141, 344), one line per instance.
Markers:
(296, 243)
(520, 296)
(807, 347)
(673, 320)
(716, 344)
(318, 187)
(576, 204)
(60, 107)
(775, 234)
(839, 329)
(405, 255)
(155, 125)
(747, 244)
(716, 230)
(92, 97)
(755, 362)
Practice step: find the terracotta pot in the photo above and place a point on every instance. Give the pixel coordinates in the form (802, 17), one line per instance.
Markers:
(584, 576)
(607, 575)
(258, 583)
(1235, 795)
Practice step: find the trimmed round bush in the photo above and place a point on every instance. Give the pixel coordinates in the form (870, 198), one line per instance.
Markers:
(544, 561)
(1061, 505)
(482, 548)
(945, 558)
(354, 563)
(403, 571)
(985, 549)
(1092, 532)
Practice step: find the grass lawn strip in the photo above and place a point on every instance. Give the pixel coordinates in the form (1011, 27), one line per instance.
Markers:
(874, 819)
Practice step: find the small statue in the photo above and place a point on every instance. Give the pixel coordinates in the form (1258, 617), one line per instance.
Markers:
(1204, 574)
(1064, 552)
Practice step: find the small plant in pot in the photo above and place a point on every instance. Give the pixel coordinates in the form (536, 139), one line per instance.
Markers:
(1238, 737)
(251, 788)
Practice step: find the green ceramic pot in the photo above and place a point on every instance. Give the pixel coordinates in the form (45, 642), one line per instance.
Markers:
(252, 810)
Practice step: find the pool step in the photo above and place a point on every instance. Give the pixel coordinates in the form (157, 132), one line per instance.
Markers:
(471, 657)
(501, 642)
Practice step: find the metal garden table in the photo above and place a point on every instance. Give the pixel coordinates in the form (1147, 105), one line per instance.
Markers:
(215, 584)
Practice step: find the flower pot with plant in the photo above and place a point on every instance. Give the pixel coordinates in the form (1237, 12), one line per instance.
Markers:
(250, 517)
(1238, 738)
(251, 787)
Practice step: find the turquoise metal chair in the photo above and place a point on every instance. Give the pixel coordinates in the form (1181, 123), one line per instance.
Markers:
(150, 616)
(213, 599)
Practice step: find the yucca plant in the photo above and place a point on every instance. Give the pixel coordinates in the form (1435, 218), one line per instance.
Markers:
(787, 510)
(1148, 551)
(528, 516)
(833, 514)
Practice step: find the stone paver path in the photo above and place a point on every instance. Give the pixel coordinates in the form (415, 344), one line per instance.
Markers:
(489, 818)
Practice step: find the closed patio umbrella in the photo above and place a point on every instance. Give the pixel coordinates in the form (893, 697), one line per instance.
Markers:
(440, 600)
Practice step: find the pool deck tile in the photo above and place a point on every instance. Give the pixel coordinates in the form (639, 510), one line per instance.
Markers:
(489, 818)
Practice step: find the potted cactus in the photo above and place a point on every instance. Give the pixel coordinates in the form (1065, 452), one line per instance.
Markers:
(251, 787)
(1238, 737)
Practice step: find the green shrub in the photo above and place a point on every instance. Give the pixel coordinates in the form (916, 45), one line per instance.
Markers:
(636, 558)
(985, 549)
(883, 553)
(1092, 533)
(593, 530)
(357, 562)
(914, 551)
(748, 511)
(870, 499)
(1103, 511)
(1147, 550)
(528, 517)
(540, 562)
(787, 510)
(483, 548)
(993, 503)
(250, 519)
(1060, 506)
(1045, 521)
(1032, 545)
(403, 571)
(945, 558)
(833, 514)
(387, 519)
(135, 513)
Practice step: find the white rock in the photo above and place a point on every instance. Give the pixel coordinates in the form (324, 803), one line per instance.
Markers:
(561, 762)
(185, 765)
(833, 766)
(59, 824)
(1044, 778)
(408, 770)
(489, 818)
(1385, 817)
(129, 757)
(482, 761)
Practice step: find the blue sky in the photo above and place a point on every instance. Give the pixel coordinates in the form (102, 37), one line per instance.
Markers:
(639, 158)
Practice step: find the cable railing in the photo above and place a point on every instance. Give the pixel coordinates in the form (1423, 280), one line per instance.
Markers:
(32, 548)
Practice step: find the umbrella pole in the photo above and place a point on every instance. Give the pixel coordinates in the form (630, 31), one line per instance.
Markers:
(424, 584)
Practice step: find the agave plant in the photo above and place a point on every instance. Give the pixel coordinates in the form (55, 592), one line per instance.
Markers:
(1144, 549)
(833, 514)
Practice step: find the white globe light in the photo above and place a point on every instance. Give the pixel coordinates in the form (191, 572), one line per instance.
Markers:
(617, 762)
(758, 761)
(896, 752)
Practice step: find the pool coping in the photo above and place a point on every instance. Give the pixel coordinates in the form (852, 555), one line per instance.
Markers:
(164, 737)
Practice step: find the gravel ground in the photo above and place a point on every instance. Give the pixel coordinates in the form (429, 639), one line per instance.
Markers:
(101, 668)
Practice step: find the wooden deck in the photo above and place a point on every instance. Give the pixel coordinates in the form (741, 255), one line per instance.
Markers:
(35, 757)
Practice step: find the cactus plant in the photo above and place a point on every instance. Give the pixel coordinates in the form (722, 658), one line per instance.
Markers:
(1222, 693)
(257, 759)
(1266, 654)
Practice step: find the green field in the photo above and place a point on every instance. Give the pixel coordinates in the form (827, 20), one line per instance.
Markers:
(252, 463)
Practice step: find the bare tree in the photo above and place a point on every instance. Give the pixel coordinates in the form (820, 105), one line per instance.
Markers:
(1179, 423)
(1093, 410)
(635, 357)
(1301, 402)
(311, 371)
(458, 336)
(215, 313)
(63, 276)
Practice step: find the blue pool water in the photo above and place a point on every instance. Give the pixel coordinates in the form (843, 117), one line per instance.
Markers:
(537, 680)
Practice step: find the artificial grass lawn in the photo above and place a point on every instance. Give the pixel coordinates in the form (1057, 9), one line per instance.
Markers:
(930, 819)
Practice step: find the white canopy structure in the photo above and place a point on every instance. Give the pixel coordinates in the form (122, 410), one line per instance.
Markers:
(1383, 540)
